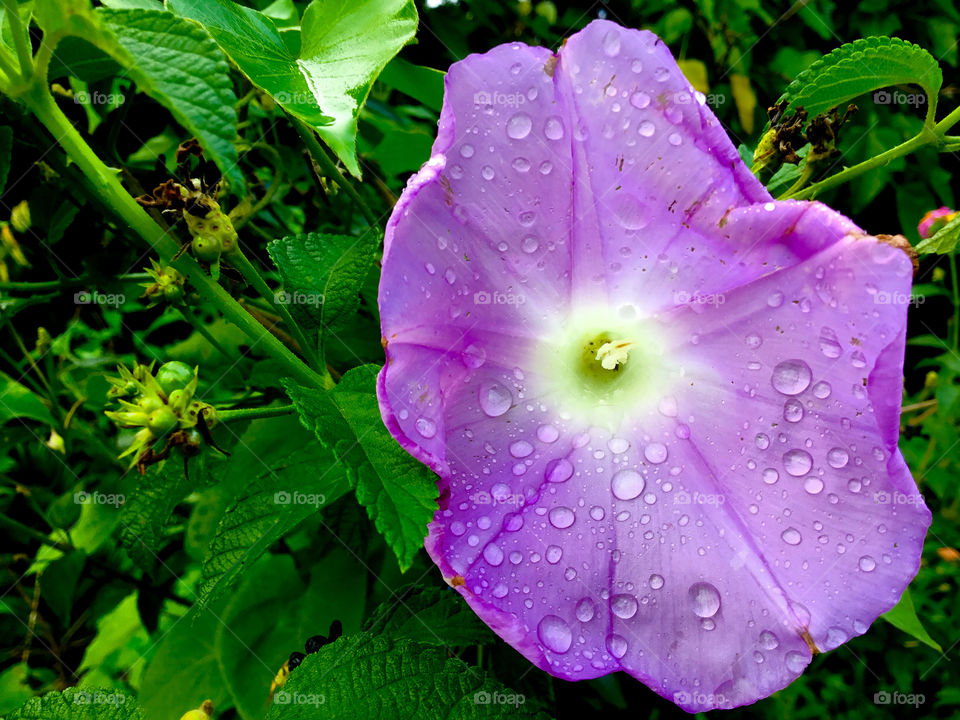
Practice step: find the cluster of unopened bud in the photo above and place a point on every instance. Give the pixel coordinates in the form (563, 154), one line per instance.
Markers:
(161, 405)
(167, 286)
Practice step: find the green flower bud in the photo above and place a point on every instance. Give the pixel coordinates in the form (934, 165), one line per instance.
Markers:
(174, 375)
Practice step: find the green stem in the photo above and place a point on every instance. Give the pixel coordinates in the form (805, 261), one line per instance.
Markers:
(108, 187)
(255, 413)
(67, 282)
(252, 276)
(19, 33)
(7, 66)
(924, 137)
(323, 160)
(955, 330)
(18, 526)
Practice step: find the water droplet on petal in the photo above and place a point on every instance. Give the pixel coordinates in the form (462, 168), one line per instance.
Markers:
(547, 433)
(791, 377)
(791, 536)
(553, 128)
(646, 128)
(519, 125)
(624, 606)
(770, 476)
(705, 599)
(500, 590)
(520, 448)
(627, 484)
(640, 100)
(838, 457)
(793, 410)
(562, 517)
(616, 645)
(555, 634)
(611, 43)
(426, 427)
(795, 661)
(585, 610)
(493, 554)
(655, 453)
(494, 399)
(656, 581)
(553, 554)
(797, 462)
(867, 563)
(769, 641)
(829, 344)
(559, 470)
(466, 150)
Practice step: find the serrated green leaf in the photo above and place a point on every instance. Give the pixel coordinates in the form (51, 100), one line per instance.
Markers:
(344, 44)
(364, 676)
(326, 272)
(145, 514)
(860, 67)
(903, 616)
(398, 492)
(173, 61)
(282, 482)
(80, 704)
(436, 616)
(944, 241)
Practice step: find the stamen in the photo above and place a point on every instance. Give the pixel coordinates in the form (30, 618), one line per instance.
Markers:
(613, 354)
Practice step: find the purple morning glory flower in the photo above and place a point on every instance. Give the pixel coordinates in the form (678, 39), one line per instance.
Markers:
(663, 408)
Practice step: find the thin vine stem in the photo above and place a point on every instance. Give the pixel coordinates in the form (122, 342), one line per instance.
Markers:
(255, 413)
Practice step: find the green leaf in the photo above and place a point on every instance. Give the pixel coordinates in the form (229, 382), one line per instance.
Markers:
(860, 67)
(323, 274)
(230, 650)
(173, 61)
(80, 704)
(60, 583)
(145, 515)
(944, 241)
(344, 44)
(291, 482)
(398, 492)
(17, 401)
(424, 84)
(903, 616)
(6, 144)
(436, 616)
(365, 676)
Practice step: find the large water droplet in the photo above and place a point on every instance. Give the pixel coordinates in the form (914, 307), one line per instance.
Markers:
(520, 448)
(627, 484)
(611, 43)
(630, 212)
(624, 606)
(640, 100)
(494, 399)
(793, 410)
(867, 563)
(555, 634)
(795, 661)
(791, 377)
(562, 517)
(553, 128)
(616, 645)
(769, 641)
(655, 453)
(770, 476)
(553, 554)
(466, 150)
(838, 457)
(829, 344)
(559, 470)
(704, 599)
(426, 427)
(585, 610)
(547, 433)
(797, 462)
(519, 125)
(791, 536)
(493, 554)
(656, 581)
(646, 129)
